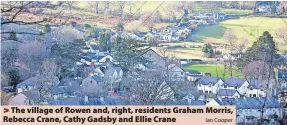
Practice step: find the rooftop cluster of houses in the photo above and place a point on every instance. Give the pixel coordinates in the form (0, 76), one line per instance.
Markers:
(247, 95)
(168, 34)
(206, 18)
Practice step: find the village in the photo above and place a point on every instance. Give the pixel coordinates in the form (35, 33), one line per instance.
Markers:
(72, 63)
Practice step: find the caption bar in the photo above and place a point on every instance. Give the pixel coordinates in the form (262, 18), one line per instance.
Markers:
(183, 115)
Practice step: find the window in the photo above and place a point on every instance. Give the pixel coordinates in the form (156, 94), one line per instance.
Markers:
(235, 87)
(250, 95)
(206, 91)
(251, 88)
(181, 73)
(199, 85)
(225, 86)
(210, 92)
(254, 95)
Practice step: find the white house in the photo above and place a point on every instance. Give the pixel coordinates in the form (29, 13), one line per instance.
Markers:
(241, 85)
(250, 107)
(209, 84)
(264, 8)
(255, 89)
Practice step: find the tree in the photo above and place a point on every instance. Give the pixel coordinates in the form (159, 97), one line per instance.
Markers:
(31, 55)
(263, 49)
(256, 70)
(127, 53)
(14, 77)
(46, 28)
(49, 68)
(67, 54)
(5, 79)
(208, 50)
(150, 87)
(131, 4)
(8, 54)
(67, 34)
(120, 26)
(121, 5)
(94, 4)
(281, 33)
(12, 10)
(102, 42)
(149, 19)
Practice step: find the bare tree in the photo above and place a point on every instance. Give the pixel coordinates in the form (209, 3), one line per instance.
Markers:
(282, 33)
(11, 12)
(49, 68)
(94, 4)
(149, 19)
(147, 87)
(231, 39)
(131, 4)
(121, 5)
(31, 55)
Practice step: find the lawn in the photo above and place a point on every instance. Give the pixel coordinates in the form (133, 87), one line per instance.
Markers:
(214, 69)
(245, 27)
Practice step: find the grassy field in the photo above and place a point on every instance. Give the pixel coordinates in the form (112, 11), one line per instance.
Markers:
(214, 69)
(248, 27)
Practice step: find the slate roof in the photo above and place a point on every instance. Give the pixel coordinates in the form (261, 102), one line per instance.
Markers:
(205, 80)
(282, 74)
(140, 34)
(29, 82)
(97, 58)
(232, 82)
(249, 102)
(226, 92)
(95, 47)
(97, 78)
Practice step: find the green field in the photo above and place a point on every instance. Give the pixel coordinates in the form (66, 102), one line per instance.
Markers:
(245, 27)
(214, 69)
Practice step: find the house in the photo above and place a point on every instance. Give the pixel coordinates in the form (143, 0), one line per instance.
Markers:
(249, 107)
(209, 85)
(193, 75)
(232, 56)
(228, 93)
(92, 85)
(255, 89)
(94, 48)
(158, 62)
(184, 61)
(19, 99)
(264, 8)
(219, 16)
(138, 36)
(241, 85)
(27, 85)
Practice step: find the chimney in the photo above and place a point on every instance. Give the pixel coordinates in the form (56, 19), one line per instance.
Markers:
(188, 101)
(55, 97)
(102, 99)
(92, 64)
(86, 99)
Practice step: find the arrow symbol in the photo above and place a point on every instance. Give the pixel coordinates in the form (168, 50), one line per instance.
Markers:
(6, 110)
